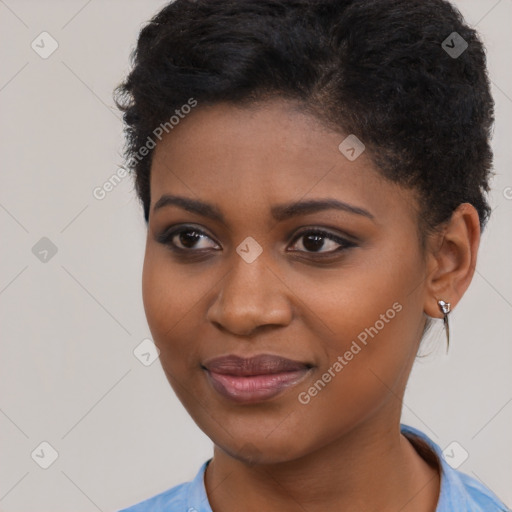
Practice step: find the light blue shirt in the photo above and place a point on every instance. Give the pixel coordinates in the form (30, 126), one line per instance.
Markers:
(459, 492)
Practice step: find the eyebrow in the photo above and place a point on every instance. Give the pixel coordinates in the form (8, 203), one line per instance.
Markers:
(279, 212)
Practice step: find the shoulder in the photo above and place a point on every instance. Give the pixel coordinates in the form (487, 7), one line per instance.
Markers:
(171, 500)
(480, 496)
(188, 496)
(459, 492)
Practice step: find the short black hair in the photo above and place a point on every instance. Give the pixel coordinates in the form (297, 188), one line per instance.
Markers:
(379, 69)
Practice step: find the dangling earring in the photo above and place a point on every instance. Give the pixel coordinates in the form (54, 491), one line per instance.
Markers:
(445, 308)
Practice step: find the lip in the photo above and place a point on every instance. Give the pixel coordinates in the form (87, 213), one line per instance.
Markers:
(254, 379)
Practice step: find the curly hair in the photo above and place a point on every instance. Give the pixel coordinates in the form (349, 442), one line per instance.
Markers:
(375, 68)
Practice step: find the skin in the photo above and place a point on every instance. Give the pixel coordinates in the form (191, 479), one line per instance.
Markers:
(343, 450)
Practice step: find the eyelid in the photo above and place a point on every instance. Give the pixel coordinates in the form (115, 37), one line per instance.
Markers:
(346, 237)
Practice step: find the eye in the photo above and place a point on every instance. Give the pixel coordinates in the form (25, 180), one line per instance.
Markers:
(316, 239)
(185, 239)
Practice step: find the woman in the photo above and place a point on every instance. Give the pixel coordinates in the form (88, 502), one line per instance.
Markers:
(313, 178)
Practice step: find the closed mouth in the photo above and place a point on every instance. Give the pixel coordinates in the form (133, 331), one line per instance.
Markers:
(256, 378)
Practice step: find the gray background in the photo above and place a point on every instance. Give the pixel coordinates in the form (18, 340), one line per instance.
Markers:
(70, 324)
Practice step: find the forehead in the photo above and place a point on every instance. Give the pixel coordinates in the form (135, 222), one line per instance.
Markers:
(269, 153)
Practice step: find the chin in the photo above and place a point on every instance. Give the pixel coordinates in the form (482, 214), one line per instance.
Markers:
(261, 449)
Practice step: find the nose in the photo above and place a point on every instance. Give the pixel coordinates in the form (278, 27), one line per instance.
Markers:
(251, 296)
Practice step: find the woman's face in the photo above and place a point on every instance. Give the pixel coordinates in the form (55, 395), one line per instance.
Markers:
(253, 272)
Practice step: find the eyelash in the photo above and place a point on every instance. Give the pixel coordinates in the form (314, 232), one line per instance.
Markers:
(167, 235)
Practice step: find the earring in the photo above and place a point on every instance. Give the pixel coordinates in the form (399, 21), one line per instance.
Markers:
(445, 308)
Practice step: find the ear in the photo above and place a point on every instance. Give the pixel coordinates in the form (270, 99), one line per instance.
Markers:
(452, 257)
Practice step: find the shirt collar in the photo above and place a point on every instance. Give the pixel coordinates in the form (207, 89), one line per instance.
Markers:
(452, 497)
(197, 499)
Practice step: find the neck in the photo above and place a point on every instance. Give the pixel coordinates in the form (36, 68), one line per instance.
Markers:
(372, 468)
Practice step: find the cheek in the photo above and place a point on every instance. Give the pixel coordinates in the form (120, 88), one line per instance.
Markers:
(375, 318)
(168, 303)
(377, 294)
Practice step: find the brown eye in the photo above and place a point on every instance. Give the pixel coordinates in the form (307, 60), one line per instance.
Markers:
(185, 238)
(315, 240)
